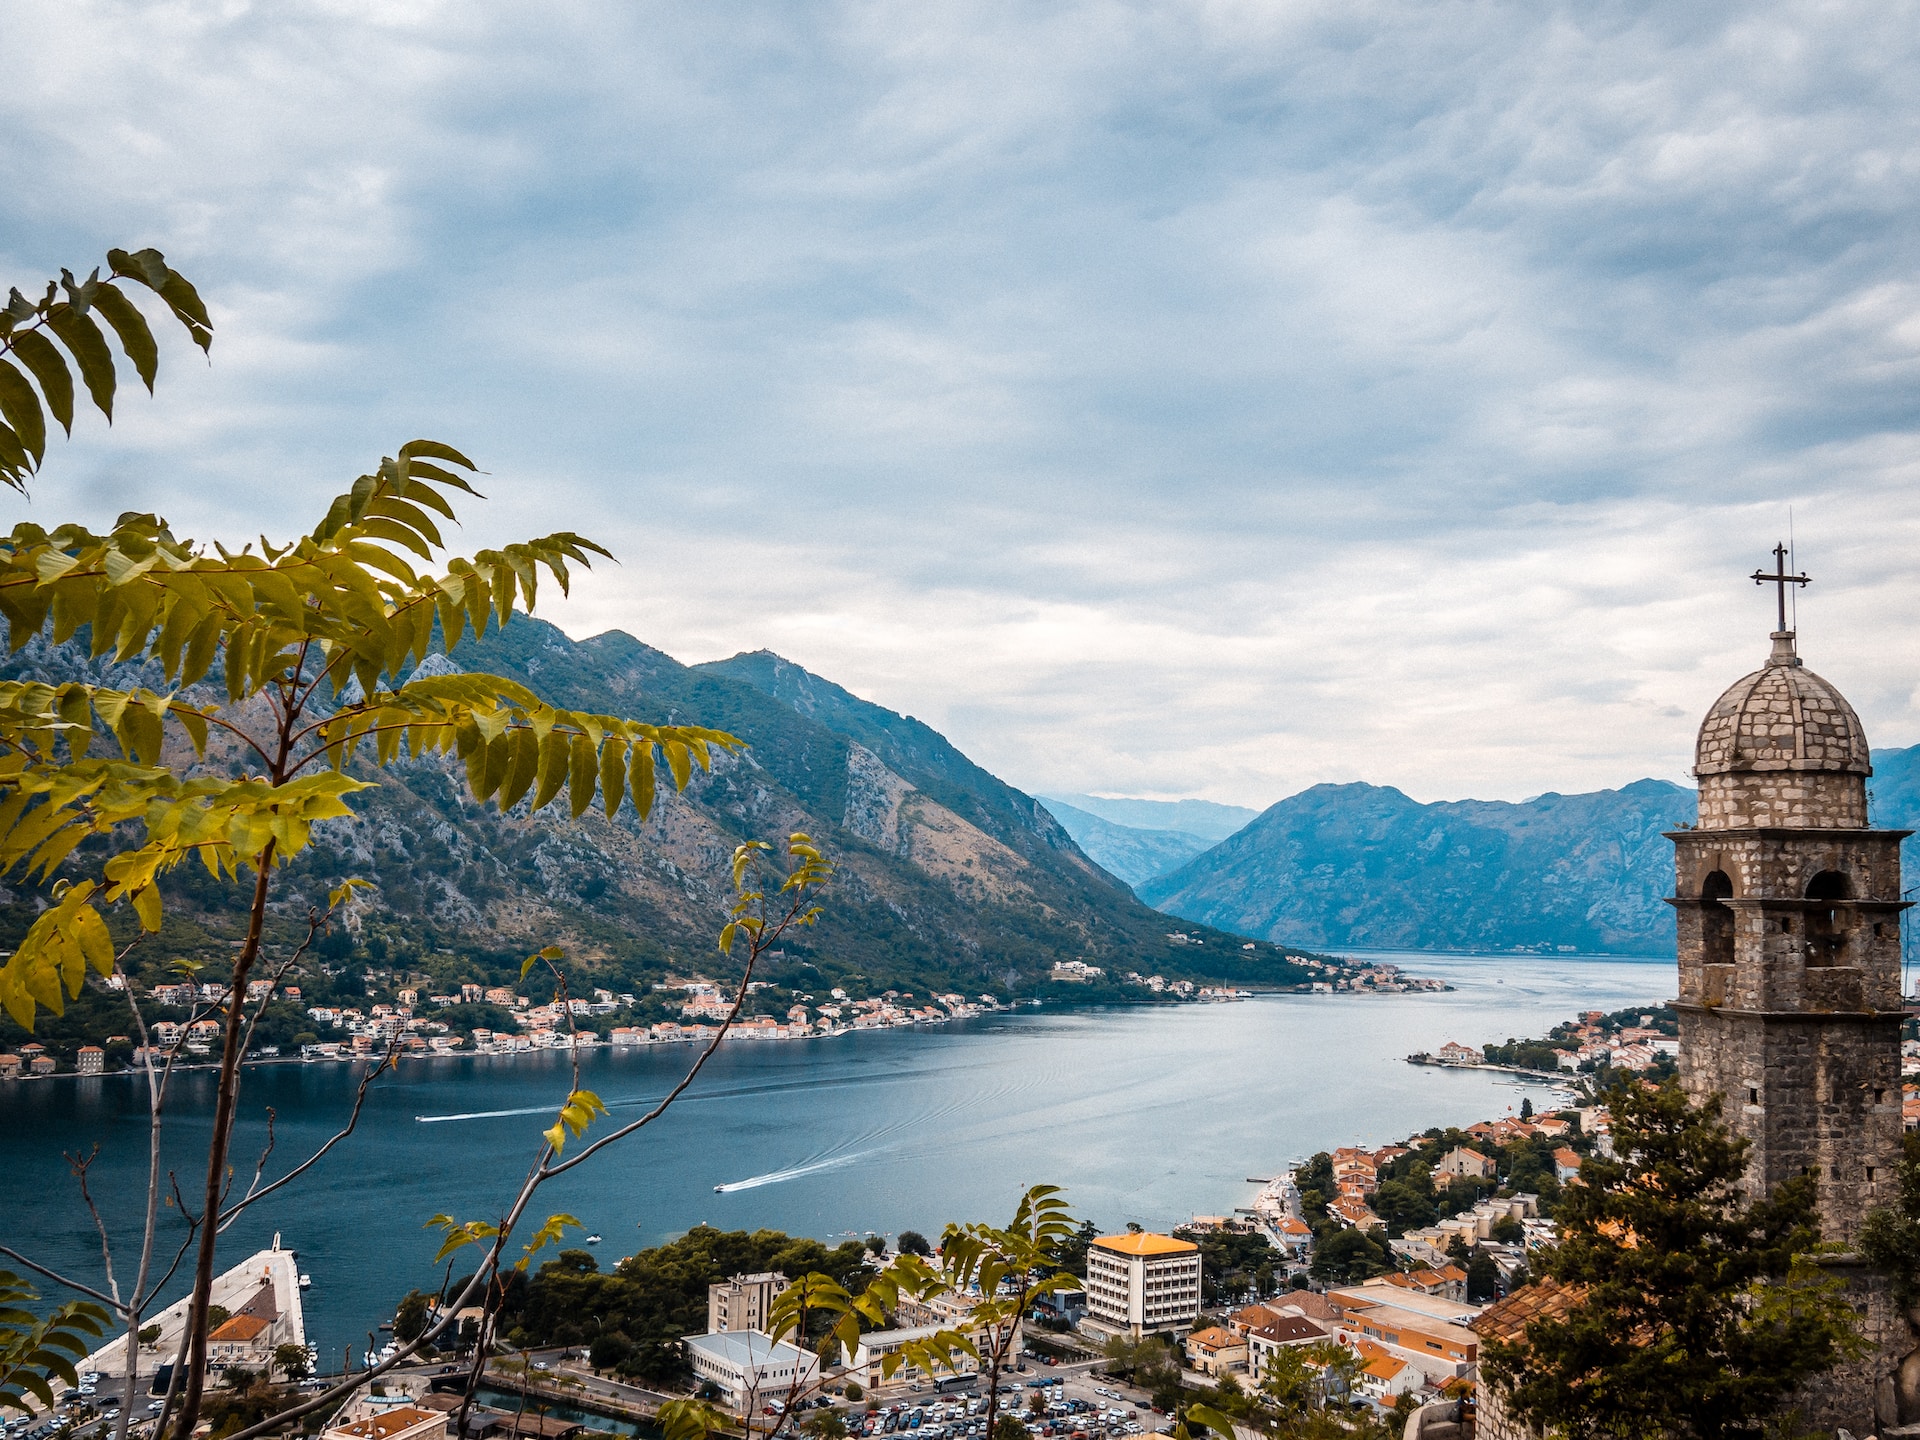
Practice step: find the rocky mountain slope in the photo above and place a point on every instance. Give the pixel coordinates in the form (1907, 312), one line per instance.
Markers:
(1363, 866)
(950, 879)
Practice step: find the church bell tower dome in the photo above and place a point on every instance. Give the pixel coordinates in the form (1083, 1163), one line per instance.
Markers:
(1782, 747)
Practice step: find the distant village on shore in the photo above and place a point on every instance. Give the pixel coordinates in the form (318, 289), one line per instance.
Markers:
(190, 1019)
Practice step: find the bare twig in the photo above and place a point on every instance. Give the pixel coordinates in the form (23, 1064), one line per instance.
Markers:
(759, 946)
(58, 1278)
(359, 1099)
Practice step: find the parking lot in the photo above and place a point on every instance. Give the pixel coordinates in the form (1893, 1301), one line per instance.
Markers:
(1067, 1402)
(90, 1413)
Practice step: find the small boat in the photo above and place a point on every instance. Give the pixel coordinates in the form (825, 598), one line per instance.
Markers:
(306, 1282)
(593, 1239)
(719, 1189)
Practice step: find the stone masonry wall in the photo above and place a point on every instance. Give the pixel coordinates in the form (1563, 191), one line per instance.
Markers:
(1801, 799)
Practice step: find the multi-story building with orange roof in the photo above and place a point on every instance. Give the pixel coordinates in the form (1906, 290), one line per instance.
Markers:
(1140, 1282)
(1425, 1330)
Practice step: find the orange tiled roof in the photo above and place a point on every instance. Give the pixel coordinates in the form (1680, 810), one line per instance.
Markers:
(1309, 1304)
(1507, 1319)
(240, 1327)
(1213, 1338)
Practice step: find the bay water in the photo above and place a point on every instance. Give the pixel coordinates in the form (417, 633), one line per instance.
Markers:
(1143, 1113)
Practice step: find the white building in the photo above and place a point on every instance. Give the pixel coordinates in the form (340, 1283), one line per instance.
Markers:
(869, 1356)
(750, 1368)
(743, 1303)
(1141, 1283)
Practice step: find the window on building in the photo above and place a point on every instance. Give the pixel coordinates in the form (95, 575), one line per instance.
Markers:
(1716, 919)
(1826, 932)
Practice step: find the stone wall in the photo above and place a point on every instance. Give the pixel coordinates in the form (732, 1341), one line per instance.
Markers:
(1797, 798)
(1816, 1095)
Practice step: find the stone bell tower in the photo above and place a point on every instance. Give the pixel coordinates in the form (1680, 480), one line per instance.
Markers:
(1789, 906)
(1789, 939)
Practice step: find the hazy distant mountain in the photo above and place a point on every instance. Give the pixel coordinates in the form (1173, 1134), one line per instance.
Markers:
(1132, 854)
(1363, 866)
(1203, 818)
(1894, 795)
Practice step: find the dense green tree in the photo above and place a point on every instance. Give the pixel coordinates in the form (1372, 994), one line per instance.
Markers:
(1071, 1253)
(609, 1350)
(1890, 1239)
(1483, 1277)
(292, 1361)
(1698, 1312)
(1349, 1256)
(654, 1297)
(1405, 1205)
(410, 1319)
(1229, 1260)
(912, 1242)
(1288, 1383)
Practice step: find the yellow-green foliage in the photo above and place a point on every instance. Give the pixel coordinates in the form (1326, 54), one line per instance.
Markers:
(67, 312)
(322, 627)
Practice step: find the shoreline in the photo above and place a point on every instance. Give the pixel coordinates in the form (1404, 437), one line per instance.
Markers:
(600, 1043)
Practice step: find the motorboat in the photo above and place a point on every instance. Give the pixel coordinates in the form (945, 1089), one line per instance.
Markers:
(593, 1239)
(306, 1282)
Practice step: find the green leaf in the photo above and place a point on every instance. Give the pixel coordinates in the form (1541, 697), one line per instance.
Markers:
(613, 773)
(21, 407)
(14, 460)
(89, 348)
(551, 952)
(49, 367)
(135, 338)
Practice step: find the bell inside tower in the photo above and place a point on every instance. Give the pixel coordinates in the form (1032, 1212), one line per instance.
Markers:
(1716, 919)
(1826, 934)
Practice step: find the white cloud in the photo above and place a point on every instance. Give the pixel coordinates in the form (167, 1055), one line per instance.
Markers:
(1201, 398)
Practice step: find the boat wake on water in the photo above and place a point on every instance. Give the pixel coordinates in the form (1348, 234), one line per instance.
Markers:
(528, 1110)
(482, 1114)
(775, 1177)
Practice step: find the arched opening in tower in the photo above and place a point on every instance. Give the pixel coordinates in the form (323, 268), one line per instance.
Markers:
(1716, 919)
(1826, 936)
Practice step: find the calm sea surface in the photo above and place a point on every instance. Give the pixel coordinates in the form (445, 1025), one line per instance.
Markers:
(1145, 1114)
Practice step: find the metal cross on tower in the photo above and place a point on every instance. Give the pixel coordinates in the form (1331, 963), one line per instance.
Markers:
(1781, 579)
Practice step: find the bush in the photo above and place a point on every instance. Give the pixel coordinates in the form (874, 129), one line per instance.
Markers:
(609, 1351)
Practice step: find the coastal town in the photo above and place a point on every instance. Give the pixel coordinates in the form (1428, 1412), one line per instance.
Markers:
(478, 1018)
(1155, 1321)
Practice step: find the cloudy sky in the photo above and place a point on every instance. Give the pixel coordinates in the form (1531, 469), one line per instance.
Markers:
(1161, 399)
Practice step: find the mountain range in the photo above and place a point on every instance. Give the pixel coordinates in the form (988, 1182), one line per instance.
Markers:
(1365, 867)
(949, 879)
